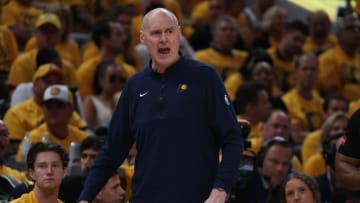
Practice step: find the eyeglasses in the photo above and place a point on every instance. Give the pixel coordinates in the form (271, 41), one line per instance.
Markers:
(117, 78)
(84, 156)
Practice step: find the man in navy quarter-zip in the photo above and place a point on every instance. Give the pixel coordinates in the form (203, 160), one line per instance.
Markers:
(178, 112)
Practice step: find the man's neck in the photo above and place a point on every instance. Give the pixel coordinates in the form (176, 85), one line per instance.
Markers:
(59, 131)
(107, 55)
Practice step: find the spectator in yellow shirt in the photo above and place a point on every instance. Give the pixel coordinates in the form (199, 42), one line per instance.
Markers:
(221, 54)
(340, 65)
(47, 35)
(47, 166)
(320, 39)
(303, 102)
(332, 104)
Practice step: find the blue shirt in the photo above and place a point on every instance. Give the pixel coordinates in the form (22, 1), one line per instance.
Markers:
(179, 120)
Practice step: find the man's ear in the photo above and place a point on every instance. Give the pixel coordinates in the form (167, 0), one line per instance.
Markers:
(141, 36)
(31, 174)
(98, 195)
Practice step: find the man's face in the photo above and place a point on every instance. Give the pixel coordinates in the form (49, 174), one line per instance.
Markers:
(216, 8)
(112, 192)
(277, 125)
(4, 139)
(307, 72)
(57, 113)
(294, 42)
(263, 105)
(87, 158)
(319, 25)
(225, 30)
(41, 84)
(161, 34)
(47, 36)
(48, 171)
(117, 38)
(336, 105)
(276, 164)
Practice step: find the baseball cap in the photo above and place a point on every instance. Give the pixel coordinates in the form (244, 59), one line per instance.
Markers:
(351, 140)
(59, 93)
(48, 18)
(45, 69)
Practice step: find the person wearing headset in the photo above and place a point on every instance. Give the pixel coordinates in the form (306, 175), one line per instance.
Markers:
(262, 184)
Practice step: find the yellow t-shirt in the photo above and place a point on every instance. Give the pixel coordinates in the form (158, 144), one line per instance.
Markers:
(311, 46)
(86, 72)
(306, 113)
(315, 165)
(340, 73)
(232, 84)
(28, 115)
(8, 49)
(29, 198)
(68, 50)
(311, 145)
(225, 64)
(36, 135)
(24, 67)
(7, 171)
(13, 13)
(354, 106)
(283, 70)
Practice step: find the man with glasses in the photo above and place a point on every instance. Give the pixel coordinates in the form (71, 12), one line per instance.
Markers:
(342, 62)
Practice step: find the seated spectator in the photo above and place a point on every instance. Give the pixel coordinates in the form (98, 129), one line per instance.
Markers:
(252, 104)
(72, 185)
(27, 115)
(112, 192)
(67, 47)
(258, 67)
(312, 144)
(20, 17)
(341, 63)
(47, 166)
(25, 91)
(319, 39)
(47, 35)
(262, 184)
(58, 109)
(110, 36)
(284, 54)
(109, 79)
(274, 26)
(221, 53)
(5, 170)
(303, 102)
(299, 187)
(123, 15)
(332, 127)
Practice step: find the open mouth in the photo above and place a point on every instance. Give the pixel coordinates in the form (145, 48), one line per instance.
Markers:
(164, 50)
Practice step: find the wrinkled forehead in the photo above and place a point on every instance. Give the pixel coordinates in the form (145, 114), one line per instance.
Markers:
(157, 15)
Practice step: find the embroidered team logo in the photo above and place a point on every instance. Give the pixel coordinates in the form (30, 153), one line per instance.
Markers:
(226, 99)
(181, 88)
(55, 91)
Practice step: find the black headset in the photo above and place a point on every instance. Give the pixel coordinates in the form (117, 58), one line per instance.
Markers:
(329, 150)
(267, 145)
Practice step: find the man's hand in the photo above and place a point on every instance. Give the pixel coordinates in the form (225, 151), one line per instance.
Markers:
(216, 196)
